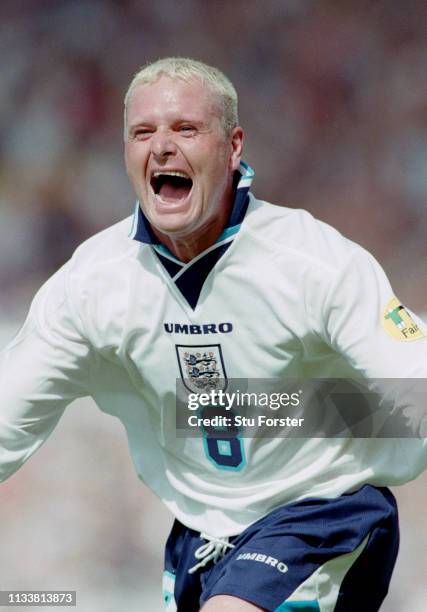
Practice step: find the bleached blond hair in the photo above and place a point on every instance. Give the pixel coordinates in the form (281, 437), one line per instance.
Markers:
(187, 69)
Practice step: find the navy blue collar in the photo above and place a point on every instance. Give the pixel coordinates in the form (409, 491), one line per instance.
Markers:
(141, 229)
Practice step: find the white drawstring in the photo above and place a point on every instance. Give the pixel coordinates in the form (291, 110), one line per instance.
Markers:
(212, 550)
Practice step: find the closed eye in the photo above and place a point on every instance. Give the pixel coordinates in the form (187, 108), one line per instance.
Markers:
(141, 133)
(187, 130)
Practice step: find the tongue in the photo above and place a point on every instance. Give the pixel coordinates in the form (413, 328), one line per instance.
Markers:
(172, 191)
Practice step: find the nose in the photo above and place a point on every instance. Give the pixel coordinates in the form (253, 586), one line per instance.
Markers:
(162, 144)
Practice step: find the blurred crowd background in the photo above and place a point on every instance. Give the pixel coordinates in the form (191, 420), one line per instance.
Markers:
(333, 96)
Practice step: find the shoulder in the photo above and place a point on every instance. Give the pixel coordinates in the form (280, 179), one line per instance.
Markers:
(105, 247)
(99, 277)
(92, 269)
(295, 233)
(95, 287)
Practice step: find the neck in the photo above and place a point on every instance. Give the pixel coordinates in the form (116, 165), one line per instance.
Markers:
(186, 248)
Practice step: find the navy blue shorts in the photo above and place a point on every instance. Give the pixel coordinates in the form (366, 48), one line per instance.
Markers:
(317, 554)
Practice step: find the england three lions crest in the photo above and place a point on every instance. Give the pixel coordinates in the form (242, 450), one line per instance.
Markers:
(202, 367)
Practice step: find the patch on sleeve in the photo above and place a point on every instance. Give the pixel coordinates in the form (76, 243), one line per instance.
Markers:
(398, 322)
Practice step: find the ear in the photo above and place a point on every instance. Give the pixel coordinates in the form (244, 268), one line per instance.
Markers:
(236, 141)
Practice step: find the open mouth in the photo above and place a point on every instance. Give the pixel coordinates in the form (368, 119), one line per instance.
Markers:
(171, 186)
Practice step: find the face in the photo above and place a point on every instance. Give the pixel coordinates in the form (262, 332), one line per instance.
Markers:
(180, 160)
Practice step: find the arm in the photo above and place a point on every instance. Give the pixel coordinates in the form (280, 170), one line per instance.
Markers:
(361, 322)
(355, 322)
(42, 370)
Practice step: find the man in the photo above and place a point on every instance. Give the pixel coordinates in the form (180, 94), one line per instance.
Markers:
(214, 283)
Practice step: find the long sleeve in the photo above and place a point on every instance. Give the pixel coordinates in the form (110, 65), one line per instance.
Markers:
(42, 370)
(363, 323)
(387, 345)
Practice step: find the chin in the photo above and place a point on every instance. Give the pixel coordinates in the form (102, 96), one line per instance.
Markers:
(171, 217)
(172, 227)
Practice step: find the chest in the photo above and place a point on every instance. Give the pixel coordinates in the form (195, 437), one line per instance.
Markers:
(242, 327)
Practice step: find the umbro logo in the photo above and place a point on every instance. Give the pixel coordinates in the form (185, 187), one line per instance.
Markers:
(207, 328)
(279, 565)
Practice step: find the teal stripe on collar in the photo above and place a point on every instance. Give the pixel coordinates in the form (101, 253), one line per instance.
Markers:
(228, 232)
(163, 250)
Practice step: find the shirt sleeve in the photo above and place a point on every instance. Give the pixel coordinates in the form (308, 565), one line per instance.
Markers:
(43, 369)
(385, 343)
(357, 322)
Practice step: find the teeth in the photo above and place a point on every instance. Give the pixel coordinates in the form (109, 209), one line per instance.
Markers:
(171, 173)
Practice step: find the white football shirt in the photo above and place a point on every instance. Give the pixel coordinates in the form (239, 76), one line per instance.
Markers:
(280, 295)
